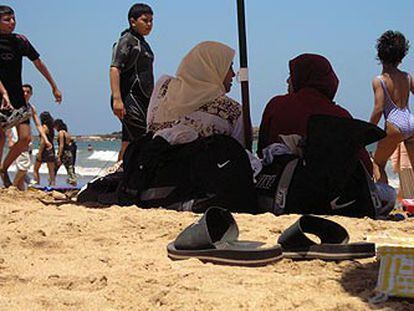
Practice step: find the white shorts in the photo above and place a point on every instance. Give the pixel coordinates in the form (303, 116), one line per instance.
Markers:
(23, 161)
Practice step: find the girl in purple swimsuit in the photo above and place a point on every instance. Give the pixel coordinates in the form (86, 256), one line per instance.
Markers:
(392, 90)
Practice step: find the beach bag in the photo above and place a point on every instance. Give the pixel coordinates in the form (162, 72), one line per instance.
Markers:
(213, 170)
(330, 179)
(101, 190)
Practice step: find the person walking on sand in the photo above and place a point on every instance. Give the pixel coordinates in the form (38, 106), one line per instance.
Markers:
(65, 151)
(46, 155)
(13, 47)
(24, 160)
(131, 75)
(392, 89)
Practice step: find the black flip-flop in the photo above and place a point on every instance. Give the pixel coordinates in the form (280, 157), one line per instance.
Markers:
(333, 241)
(213, 238)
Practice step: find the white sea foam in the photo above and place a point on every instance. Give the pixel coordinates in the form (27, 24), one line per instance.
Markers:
(104, 155)
(81, 171)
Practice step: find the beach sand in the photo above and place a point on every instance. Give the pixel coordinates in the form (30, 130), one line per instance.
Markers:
(75, 258)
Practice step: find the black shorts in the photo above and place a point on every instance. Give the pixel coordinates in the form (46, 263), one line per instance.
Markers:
(134, 123)
(48, 156)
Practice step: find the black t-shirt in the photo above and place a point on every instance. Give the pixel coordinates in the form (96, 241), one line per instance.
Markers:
(13, 47)
(134, 57)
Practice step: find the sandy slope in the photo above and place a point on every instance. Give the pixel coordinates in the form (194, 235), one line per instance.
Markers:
(76, 258)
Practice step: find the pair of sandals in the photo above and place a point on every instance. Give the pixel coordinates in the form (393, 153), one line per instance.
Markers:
(214, 238)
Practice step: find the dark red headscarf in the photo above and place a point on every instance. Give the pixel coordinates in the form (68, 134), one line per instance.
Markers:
(314, 71)
(314, 87)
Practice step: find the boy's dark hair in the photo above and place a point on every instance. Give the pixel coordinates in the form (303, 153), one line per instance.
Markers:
(6, 10)
(139, 9)
(392, 47)
(60, 125)
(28, 86)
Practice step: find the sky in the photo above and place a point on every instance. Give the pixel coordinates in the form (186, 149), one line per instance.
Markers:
(75, 38)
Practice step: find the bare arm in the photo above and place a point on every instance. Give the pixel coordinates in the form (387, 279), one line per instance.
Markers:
(5, 101)
(411, 84)
(45, 72)
(118, 105)
(379, 102)
(40, 129)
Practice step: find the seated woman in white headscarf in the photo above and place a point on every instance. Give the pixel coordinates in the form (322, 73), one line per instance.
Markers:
(194, 104)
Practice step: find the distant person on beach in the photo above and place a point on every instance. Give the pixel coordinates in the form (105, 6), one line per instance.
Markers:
(24, 160)
(312, 86)
(131, 75)
(65, 151)
(392, 89)
(46, 155)
(194, 103)
(13, 47)
(90, 148)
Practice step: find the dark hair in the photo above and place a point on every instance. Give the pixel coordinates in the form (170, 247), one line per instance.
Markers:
(28, 86)
(46, 119)
(139, 9)
(6, 10)
(60, 125)
(392, 47)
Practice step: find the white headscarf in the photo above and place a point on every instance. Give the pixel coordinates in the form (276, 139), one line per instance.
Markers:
(199, 80)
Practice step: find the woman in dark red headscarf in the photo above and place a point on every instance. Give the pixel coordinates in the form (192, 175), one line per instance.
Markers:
(312, 85)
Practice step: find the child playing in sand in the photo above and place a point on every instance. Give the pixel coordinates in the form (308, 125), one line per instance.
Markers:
(131, 75)
(65, 151)
(46, 155)
(13, 47)
(392, 90)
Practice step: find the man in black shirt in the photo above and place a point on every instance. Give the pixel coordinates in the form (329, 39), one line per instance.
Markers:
(13, 47)
(131, 75)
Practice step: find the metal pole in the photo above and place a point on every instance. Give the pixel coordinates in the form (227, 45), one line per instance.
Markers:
(243, 75)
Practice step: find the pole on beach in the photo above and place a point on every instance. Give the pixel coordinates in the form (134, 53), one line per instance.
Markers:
(243, 75)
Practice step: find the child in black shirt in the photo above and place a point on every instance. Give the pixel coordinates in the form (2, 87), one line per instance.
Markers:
(13, 47)
(131, 74)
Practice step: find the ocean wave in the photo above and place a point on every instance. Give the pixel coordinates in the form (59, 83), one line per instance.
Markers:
(104, 155)
(81, 171)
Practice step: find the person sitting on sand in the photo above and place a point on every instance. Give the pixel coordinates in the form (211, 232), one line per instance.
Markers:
(194, 103)
(46, 155)
(65, 151)
(391, 90)
(312, 86)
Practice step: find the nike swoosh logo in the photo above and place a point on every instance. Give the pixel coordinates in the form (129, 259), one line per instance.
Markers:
(338, 206)
(221, 165)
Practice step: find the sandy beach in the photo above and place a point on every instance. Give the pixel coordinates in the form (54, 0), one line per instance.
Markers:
(75, 258)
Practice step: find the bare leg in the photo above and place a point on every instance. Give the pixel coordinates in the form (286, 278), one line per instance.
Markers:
(122, 151)
(36, 171)
(18, 181)
(2, 141)
(52, 176)
(385, 148)
(23, 131)
(409, 145)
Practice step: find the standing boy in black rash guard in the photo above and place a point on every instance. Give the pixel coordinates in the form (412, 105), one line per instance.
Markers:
(131, 75)
(13, 47)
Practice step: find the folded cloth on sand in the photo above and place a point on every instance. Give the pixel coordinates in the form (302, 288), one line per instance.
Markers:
(214, 238)
(333, 241)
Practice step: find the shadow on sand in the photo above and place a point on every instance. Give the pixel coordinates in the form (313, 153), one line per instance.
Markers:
(360, 280)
